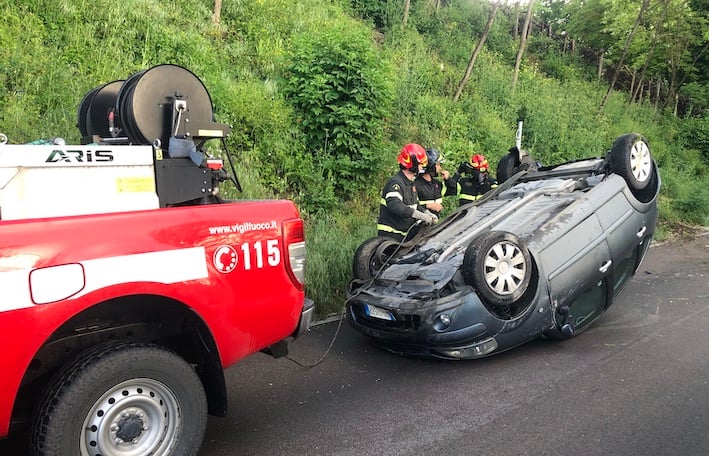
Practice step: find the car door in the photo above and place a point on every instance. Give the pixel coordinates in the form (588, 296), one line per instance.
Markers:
(626, 229)
(578, 263)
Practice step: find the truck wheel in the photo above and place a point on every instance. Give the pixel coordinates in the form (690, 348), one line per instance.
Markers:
(123, 399)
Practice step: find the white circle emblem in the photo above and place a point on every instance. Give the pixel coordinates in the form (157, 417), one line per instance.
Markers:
(225, 259)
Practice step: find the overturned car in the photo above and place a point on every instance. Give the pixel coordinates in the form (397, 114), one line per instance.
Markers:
(542, 255)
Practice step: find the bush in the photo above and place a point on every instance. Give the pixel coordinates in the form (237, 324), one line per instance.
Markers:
(337, 84)
(695, 133)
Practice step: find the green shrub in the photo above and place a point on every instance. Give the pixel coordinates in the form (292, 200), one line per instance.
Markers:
(337, 84)
(382, 14)
(695, 134)
(683, 201)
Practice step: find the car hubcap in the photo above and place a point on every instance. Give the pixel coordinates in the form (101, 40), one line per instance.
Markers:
(640, 161)
(136, 417)
(504, 268)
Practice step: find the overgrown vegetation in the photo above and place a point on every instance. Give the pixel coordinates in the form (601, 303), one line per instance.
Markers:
(338, 87)
(322, 94)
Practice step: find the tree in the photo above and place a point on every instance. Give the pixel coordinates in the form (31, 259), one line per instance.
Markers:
(552, 15)
(635, 91)
(586, 23)
(629, 40)
(515, 27)
(407, 6)
(522, 43)
(478, 48)
(666, 44)
(216, 15)
(682, 48)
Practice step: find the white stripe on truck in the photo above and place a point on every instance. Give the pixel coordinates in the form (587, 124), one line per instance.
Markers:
(27, 287)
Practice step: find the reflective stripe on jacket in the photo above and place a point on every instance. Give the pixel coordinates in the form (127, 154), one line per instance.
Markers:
(398, 202)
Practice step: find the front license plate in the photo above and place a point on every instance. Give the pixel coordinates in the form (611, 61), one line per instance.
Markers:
(376, 312)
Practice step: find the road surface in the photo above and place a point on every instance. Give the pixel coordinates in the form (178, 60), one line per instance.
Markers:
(635, 383)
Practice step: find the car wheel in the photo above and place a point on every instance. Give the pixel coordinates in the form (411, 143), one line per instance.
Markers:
(506, 167)
(499, 266)
(122, 399)
(371, 255)
(631, 159)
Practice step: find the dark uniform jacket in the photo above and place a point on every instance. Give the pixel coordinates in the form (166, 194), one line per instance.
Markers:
(471, 187)
(398, 202)
(431, 191)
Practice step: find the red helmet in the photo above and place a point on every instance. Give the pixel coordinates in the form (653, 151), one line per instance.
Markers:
(412, 157)
(479, 162)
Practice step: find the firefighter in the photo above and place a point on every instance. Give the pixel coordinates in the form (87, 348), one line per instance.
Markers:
(430, 189)
(399, 208)
(472, 180)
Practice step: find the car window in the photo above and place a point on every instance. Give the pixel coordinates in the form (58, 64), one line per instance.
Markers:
(588, 305)
(624, 270)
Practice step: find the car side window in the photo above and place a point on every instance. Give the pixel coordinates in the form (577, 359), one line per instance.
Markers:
(623, 271)
(589, 305)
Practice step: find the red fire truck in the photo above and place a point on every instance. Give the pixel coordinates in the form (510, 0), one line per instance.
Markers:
(128, 284)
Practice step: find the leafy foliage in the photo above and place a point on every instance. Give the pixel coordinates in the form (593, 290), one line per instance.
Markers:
(696, 132)
(337, 84)
(381, 13)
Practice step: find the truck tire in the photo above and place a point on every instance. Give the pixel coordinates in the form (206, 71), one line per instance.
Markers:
(122, 399)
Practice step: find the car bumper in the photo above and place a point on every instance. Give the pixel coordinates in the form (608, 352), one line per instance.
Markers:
(456, 327)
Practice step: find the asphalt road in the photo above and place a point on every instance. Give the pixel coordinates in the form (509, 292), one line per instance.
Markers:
(635, 383)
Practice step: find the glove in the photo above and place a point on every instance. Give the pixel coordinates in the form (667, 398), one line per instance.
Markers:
(426, 217)
(465, 168)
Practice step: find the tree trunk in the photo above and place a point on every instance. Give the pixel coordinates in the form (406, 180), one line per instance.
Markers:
(522, 43)
(656, 31)
(697, 56)
(407, 6)
(217, 14)
(476, 52)
(620, 64)
(599, 71)
(515, 28)
(633, 94)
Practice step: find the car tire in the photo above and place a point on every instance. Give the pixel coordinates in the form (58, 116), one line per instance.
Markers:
(371, 255)
(122, 399)
(499, 266)
(506, 167)
(631, 159)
